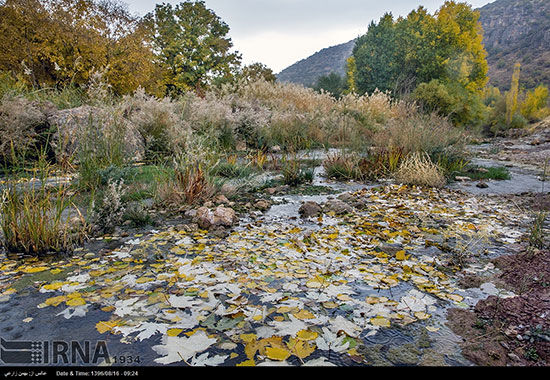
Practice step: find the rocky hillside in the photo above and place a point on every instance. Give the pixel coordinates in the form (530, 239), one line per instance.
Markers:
(324, 62)
(514, 31)
(517, 31)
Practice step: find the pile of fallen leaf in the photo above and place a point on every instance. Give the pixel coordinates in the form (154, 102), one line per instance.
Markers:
(304, 292)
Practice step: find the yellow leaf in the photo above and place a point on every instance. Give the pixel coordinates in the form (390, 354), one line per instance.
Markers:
(9, 291)
(54, 286)
(54, 301)
(247, 338)
(401, 255)
(343, 297)
(380, 321)
(104, 326)
(174, 332)
(455, 297)
(247, 363)
(277, 353)
(76, 302)
(306, 335)
(300, 348)
(304, 314)
(421, 315)
(35, 269)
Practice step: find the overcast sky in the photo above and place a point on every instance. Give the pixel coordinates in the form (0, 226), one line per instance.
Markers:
(278, 33)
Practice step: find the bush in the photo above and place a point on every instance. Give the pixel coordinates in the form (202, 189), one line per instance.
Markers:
(23, 130)
(462, 107)
(343, 166)
(38, 219)
(108, 212)
(157, 121)
(415, 132)
(534, 106)
(293, 172)
(418, 169)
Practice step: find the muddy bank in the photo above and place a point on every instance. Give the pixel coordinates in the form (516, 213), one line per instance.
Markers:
(513, 331)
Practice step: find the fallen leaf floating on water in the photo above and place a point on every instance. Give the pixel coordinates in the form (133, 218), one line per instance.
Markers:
(277, 291)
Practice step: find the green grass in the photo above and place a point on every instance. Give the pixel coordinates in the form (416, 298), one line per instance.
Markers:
(478, 173)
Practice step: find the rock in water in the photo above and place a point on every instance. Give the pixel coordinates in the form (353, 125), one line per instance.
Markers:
(337, 206)
(220, 217)
(309, 209)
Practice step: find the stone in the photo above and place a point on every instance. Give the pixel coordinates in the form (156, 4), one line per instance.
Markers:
(204, 217)
(241, 146)
(221, 199)
(221, 216)
(337, 206)
(228, 189)
(262, 205)
(309, 209)
(224, 216)
(462, 179)
(482, 185)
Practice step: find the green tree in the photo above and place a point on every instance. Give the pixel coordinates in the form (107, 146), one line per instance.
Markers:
(257, 71)
(442, 52)
(331, 83)
(376, 56)
(191, 45)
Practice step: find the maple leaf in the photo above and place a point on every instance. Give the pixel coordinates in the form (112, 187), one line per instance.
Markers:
(175, 349)
(329, 341)
(289, 328)
(205, 361)
(183, 302)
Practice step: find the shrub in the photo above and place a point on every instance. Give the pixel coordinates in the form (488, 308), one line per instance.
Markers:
(101, 145)
(415, 132)
(38, 219)
(418, 169)
(293, 172)
(462, 107)
(157, 121)
(108, 212)
(22, 127)
(343, 166)
(534, 106)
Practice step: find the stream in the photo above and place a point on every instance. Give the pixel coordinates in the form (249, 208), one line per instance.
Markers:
(417, 334)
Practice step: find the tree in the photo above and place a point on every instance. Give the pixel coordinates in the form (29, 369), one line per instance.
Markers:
(447, 46)
(376, 57)
(62, 42)
(441, 56)
(351, 72)
(191, 45)
(332, 83)
(512, 95)
(257, 71)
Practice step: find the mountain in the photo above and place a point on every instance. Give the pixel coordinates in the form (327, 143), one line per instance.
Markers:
(517, 31)
(514, 31)
(324, 62)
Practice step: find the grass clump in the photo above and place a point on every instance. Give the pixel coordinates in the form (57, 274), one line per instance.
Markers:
(343, 166)
(37, 219)
(494, 172)
(294, 173)
(418, 169)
